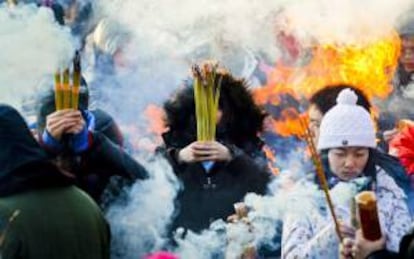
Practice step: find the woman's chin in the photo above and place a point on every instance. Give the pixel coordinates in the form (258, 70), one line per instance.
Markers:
(347, 176)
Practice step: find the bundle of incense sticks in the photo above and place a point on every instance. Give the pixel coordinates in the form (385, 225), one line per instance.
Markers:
(320, 173)
(206, 85)
(67, 95)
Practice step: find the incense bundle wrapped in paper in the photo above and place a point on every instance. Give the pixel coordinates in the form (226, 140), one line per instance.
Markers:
(76, 81)
(368, 215)
(206, 94)
(66, 90)
(58, 91)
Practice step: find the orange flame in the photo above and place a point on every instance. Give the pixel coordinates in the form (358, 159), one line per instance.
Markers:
(290, 123)
(155, 115)
(271, 158)
(368, 66)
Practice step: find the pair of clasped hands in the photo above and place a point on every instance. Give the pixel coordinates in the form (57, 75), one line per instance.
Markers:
(200, 151)
(75, 124)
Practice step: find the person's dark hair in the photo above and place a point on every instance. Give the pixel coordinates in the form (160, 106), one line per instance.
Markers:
(325, 98)
(242, 118)
(59, 13)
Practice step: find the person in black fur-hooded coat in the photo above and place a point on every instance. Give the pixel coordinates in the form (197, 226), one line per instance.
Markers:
(214, 174)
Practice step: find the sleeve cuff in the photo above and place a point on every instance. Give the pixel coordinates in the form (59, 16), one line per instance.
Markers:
(50, 143)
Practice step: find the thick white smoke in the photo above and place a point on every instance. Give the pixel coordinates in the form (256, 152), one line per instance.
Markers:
(32, 47)
(139, 226)
(169, 35)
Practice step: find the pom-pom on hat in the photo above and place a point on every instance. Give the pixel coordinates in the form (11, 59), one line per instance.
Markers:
(346, 124)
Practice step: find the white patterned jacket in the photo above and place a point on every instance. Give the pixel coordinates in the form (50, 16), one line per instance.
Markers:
(313, 235)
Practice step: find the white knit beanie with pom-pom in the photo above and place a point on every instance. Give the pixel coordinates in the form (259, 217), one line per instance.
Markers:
(346, 124)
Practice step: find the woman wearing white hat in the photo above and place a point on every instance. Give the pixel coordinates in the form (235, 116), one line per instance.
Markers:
(347, 144)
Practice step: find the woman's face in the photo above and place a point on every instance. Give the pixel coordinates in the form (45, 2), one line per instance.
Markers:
(348, 163)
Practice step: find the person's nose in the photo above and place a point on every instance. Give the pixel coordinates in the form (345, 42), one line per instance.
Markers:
(349, 162)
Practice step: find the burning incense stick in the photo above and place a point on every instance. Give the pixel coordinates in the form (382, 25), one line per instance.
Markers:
(206, 96)
(58, 91)
(321, 175)
(76, 81)
(66, 90)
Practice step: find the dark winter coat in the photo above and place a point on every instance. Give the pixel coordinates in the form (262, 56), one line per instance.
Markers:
(406, 250)
(206, 197)
(56, 219)
(54, 223)
(107, 162)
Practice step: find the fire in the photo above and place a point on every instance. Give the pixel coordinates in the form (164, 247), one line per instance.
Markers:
(290, 123)
(146, 138)
(271, 158)
(155, 115)
(369, 66)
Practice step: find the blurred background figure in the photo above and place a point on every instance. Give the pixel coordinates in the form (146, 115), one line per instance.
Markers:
(106, 60)
(398, 105)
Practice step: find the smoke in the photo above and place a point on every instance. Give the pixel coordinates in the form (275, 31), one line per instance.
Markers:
(139, 226)
(32, 47)
(262, 229)
(166, 38)
(344, 22)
